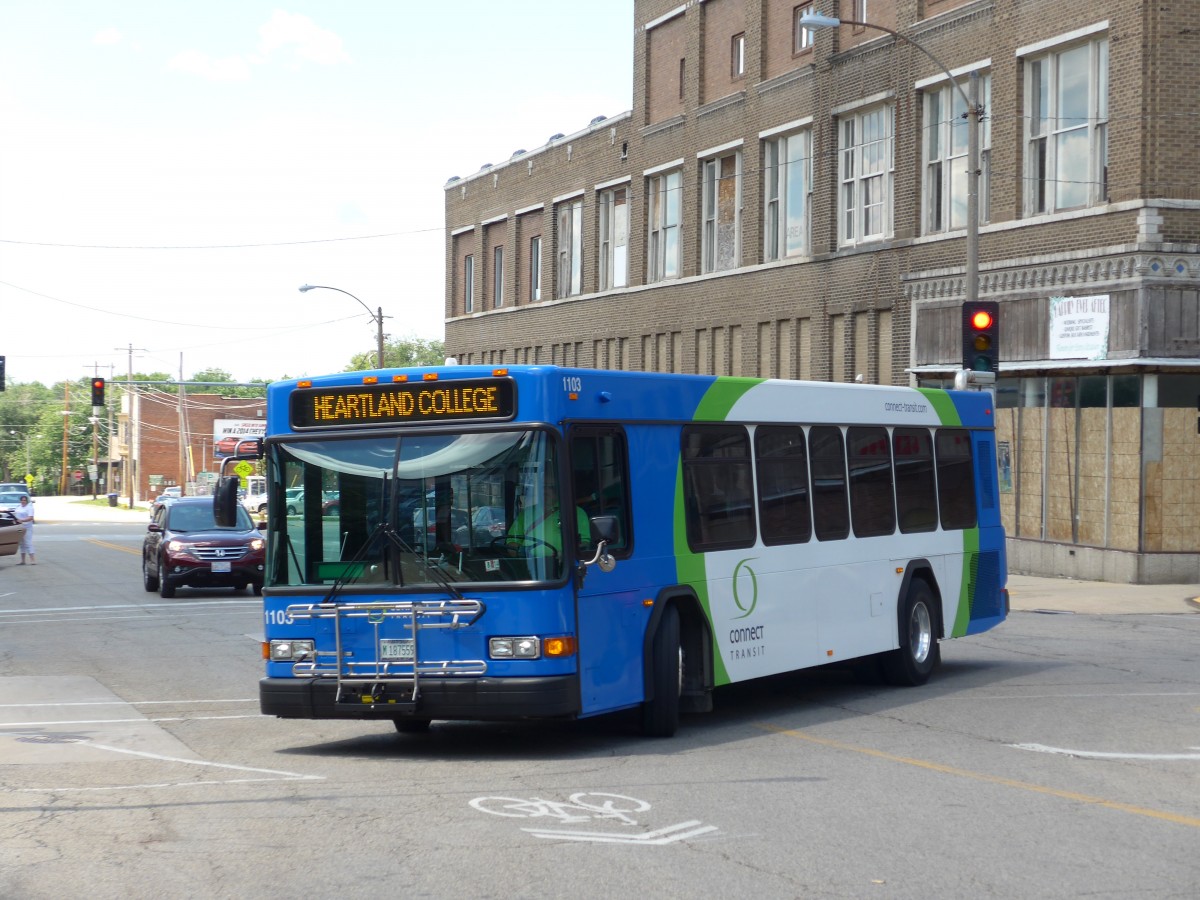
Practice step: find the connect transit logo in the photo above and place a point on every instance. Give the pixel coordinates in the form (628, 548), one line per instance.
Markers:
(745, 587)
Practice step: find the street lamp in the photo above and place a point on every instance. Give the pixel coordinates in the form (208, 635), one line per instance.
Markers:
(812, 20)
(377, 315)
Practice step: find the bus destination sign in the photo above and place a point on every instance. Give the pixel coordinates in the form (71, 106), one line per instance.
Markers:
(418, 402)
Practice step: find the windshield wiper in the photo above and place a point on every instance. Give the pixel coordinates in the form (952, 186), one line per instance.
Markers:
(435, 574)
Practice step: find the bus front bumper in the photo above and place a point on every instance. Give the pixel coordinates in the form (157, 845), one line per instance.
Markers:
(440, 698)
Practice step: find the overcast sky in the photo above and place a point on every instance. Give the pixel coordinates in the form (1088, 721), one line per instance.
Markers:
(172, 171)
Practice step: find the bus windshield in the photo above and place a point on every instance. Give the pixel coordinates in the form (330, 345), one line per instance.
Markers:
(415, 511)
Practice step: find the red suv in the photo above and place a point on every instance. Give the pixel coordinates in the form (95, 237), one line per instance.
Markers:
(184, 547)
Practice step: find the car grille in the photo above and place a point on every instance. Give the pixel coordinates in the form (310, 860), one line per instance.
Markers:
(212, 553)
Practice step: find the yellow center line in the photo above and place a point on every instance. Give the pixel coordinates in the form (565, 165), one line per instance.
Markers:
(990, 779)
(137, 552)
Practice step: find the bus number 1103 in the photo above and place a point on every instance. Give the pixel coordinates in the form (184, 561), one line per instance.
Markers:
(572, 383)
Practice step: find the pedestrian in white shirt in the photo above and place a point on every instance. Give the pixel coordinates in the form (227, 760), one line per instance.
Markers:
(24, 515)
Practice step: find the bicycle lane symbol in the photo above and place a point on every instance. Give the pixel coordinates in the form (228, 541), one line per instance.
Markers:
(584, 807)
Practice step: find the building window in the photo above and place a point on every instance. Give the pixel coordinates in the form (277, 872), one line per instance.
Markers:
(665, 203)
(865, 171)
(497, 277)
(946, 136)
(469, 284)
(535, 269)
(802, 38)
(682, 63)
(569, 277)
(787, 180)
(737, 55)
(1066, 164)
(614, 238)
(722, 212)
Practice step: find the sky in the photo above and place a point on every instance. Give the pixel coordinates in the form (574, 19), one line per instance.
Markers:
(171, 172)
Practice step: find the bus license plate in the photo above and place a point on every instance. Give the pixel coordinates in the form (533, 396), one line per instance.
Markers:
(402, 650)
(225, 566)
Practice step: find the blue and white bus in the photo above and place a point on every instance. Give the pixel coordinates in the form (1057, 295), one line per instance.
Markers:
(717, 529)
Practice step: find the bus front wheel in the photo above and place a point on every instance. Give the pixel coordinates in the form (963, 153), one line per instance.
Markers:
(660, 714)
(913, 662)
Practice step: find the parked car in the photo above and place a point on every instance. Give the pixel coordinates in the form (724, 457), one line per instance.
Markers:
(10, 500)
(11, 532)
(293, 500)
(458, 527)
(168, 494)
(487, 524)
(184, 547)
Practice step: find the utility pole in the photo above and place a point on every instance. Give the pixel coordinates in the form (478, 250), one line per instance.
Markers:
(62, 481)
(130, 467)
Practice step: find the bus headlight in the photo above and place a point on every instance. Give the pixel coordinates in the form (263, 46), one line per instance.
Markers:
(289, 651)
(514, 648)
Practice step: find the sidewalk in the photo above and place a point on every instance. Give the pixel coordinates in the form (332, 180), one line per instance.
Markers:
(1029, 593)
(58, 510)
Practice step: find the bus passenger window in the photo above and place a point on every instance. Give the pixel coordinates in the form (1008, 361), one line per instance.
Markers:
(872, 504)
(718, 492)
(956, 478)
(916, 491)
(831, 515)
(782, 464)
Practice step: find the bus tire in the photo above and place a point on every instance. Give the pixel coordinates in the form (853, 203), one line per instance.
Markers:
(912, 663)
(412, 726)
(660, 714)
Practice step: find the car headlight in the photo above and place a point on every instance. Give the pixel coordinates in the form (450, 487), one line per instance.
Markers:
(257, 544)
(291, 650)
(176, 546)
(514, 648)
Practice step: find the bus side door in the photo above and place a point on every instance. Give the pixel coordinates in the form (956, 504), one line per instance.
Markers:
(608, 607)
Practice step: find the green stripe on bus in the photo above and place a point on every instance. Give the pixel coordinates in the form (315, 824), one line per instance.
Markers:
(942, 405)
(719, 399)
(967, 586)
(714, 406)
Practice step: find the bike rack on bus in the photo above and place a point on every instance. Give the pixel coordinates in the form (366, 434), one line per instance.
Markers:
(373, 677)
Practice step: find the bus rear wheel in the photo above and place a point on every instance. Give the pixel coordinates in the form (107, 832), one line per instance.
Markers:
(660, 714)
(913, 662)
(411, 726)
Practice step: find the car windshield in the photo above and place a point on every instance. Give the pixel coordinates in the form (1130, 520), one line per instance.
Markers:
(420, 510)
(11, 498)
(199, 517)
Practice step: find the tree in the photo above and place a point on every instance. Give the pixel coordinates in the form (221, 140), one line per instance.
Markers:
(221, 376)
(410, 351)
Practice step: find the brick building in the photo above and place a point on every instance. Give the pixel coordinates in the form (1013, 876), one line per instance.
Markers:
(171, 441)
(780, 202)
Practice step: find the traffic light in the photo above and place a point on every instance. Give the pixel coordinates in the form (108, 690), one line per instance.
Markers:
(981, 336)
(97, 392)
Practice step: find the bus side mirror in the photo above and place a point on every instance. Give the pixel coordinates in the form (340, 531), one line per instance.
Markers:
(604, 528)
(604, 532)
(225, 501)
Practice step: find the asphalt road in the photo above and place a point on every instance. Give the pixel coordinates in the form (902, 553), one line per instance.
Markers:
(1056, 756)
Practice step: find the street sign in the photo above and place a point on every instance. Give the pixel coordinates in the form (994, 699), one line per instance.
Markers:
(243, 469)
(77, 475)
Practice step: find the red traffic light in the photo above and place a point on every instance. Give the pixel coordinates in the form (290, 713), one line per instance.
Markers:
(981, 336)
(982, 319)
(97, 392)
